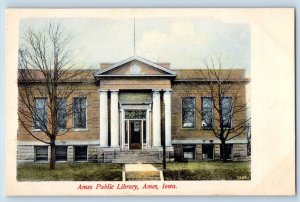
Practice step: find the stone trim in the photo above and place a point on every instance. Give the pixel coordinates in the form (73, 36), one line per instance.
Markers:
(59, 143)
(140, 59)
(206, 141)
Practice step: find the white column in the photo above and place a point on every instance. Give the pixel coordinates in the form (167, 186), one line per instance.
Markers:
(103, 118)
(114, 118)
(167, 101)
(156, 120)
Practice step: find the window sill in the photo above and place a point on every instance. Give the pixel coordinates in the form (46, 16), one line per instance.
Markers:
(80, 129)
(61, 161)
(37, 130)
(41, 162)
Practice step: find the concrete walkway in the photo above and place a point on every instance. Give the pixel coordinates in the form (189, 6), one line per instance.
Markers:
(139, 167)
(141, 172)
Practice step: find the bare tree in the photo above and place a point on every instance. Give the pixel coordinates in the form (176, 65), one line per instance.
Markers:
(224, 106)
(249, 140)
(47, 77)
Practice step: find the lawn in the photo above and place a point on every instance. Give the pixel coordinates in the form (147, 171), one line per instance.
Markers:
(207, 171)
(70, 172)
(113, 172)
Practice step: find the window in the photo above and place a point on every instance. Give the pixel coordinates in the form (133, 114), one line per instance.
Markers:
(80, 153)
(61, 153)
(135, 114)
(226, 111)
(61, 113)
(188, 152)
(40, 114)
(188, 112)
(41, 153)
(208, 151)
(229, 151)
(207, 112)
(79, 112)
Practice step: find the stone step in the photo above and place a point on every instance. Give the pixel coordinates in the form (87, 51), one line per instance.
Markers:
(134, 156)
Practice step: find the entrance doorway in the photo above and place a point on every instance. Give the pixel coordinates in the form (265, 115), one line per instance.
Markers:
(135, 133)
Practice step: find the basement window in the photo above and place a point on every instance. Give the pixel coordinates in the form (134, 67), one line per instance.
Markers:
(188, 152)
(61, 153)
(229, 151)
(208, 151)
(80, 153)
(41, 153)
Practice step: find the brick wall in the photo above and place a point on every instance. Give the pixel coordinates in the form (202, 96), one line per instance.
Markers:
(183, 90)
(89, 91)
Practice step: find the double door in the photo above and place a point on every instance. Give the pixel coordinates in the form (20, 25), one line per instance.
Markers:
(136, 134)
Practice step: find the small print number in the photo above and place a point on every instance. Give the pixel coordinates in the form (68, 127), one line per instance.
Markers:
(242, 177)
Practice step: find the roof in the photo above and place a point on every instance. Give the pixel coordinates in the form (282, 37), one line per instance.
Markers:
(181, 75)
(34, 75)
(166, 71)
(89, 75)
(204, 74)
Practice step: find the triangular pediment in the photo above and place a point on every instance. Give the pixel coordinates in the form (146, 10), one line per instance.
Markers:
(135, 66)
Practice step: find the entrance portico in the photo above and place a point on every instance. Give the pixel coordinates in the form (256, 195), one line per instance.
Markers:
(131, 95)
(130, 122)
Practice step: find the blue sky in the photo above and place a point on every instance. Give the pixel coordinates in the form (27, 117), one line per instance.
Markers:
(183, 42)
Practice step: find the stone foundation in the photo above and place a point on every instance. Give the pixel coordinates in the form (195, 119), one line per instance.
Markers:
(70, 154)
(26, 154)
(198, 152)
(178, 152)
(217, 151)
(93, 153)
(239, 152)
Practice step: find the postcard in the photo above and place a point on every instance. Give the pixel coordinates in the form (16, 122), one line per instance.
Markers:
(183, 101)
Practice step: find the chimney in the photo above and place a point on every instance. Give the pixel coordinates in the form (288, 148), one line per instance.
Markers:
(164, 64)
(105, 65)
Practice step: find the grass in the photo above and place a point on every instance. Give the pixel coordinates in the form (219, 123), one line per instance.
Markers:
(70, 172)
(207, 171)
(113, 172)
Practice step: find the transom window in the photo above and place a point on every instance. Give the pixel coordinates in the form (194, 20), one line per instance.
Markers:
(79, 112)
(40, 113)
(135, 114)
(207, 112)
(188, 112)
